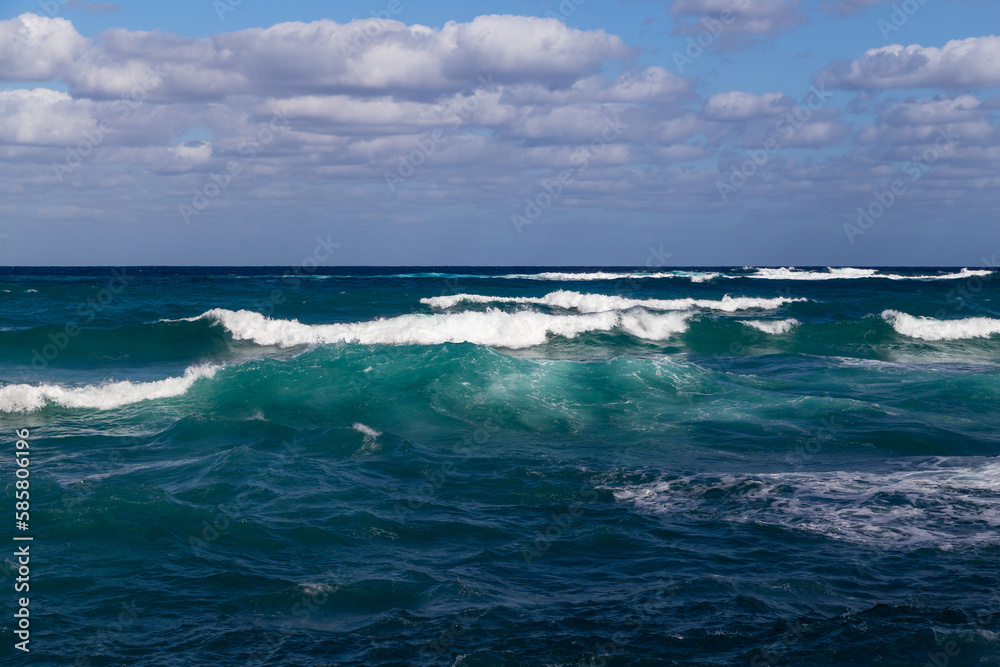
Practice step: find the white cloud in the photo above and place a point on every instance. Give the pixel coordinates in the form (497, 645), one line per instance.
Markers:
(960, 63)
(361, 107)
(912, 125)
(322, 57)
(35, 48)
(847, 7)
(653, 84)
(43, 116)
(740, 106)
(734, 21)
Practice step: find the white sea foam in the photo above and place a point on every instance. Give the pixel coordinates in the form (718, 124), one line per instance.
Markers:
(366, 431)
(693, 276)
(849, 273)
(28, 398)
(928, 328)
(784, 273)
(597, 303)
(932, 505)
(772, 326)
(494, 328)
(642, 324)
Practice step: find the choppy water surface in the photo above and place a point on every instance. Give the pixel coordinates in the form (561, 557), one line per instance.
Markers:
(496, 466)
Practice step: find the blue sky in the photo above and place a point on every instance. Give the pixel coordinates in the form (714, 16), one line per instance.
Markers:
(805, 132)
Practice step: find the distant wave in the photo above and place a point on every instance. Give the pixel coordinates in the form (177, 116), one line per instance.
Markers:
(849, 273)
(772, 326)
(783, 273)
(28, 398)
(693, 276)
(595, 303)
(493, 328)
(928, 328)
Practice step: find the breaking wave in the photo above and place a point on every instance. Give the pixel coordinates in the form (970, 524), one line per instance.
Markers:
(596, 303)
(107, 396)
(493, 328)
(928, 328)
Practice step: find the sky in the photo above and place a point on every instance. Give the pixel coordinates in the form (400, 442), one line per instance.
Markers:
(520, 132)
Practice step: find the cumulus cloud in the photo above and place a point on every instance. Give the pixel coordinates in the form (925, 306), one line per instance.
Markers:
(847, 7)
(43, 116)
(740, 106)
(653, 84)
(322, 57)
(474, 114)
(960, 63)
(36, 48)
(959, 122)
(736, 21)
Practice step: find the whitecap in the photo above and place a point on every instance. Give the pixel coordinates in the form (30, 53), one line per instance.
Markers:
(850, 273)
(929, 328)
(596, 303)
(106, 396)
(775, 327)
(933, 505)
(493, 328)
(366, 431)
(565, 276)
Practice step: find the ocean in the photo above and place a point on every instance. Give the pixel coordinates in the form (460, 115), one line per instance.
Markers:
(502, 466)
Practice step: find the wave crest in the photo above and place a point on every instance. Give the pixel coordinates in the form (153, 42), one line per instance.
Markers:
(928, 328)
(29, 398)
(492, 328)
(772, 326)
(849, 273)
(596, 303)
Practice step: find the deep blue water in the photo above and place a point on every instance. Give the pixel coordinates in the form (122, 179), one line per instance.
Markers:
(505, 466)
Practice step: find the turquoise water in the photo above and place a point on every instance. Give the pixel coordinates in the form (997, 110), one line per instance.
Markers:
(496, 466)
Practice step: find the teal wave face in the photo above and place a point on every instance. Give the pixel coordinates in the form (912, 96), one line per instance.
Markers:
(221, 336)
